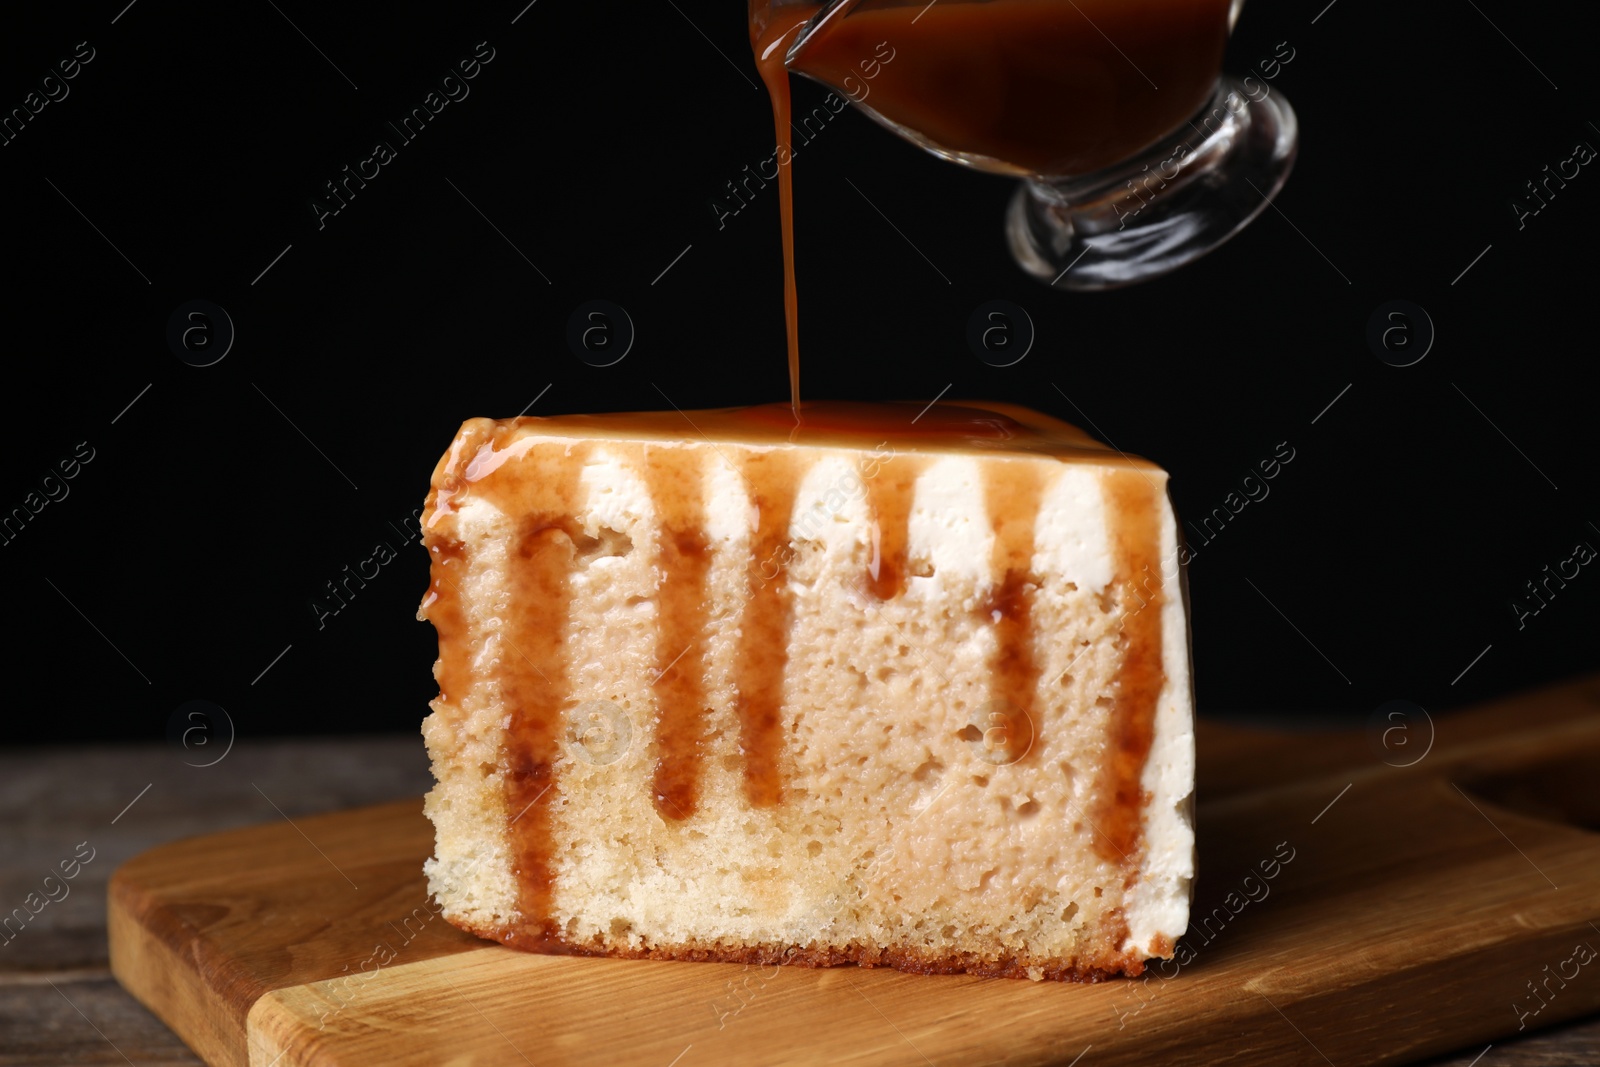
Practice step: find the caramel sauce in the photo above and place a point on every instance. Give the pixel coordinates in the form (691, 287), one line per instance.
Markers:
(1133, 503)
(901, 421)
(771, 32)
(674, 478)
(1012, 495)
(771, 480)
(907, 427)
(889, 494)
(1042, 87)
(442, 607)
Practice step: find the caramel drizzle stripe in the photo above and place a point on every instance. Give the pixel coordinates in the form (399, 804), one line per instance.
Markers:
(770, 479)
(442, 607)
(674, 476)
(890, 489)
(1134, 512)
(447, 569)
(533, 668)
(1013, 491)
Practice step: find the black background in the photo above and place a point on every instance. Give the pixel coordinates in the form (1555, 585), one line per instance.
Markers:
(188, 553)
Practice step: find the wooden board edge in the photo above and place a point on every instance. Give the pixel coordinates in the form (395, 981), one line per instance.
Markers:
(1467, 998)
(1460, 999)
(185, 979)
(277, 1034)
(168, 982)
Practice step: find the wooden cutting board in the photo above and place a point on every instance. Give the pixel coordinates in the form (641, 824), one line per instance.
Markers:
(1410, 910)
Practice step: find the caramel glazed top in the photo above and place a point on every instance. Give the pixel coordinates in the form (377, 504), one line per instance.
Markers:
(960, 426)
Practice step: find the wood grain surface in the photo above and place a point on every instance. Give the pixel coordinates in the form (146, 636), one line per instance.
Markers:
(58, 1002)
(1418, 905)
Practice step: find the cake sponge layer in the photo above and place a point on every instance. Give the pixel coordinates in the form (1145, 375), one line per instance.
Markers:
(713, 688)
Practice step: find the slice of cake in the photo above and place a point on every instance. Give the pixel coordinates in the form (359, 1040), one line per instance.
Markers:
(881, 688)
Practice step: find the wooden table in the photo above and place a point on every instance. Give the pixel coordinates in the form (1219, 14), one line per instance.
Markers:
(58, 1002)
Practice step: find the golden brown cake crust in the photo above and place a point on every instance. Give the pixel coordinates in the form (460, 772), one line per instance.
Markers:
(1098, 965)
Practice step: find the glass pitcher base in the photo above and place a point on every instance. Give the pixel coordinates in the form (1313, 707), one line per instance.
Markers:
(1170, 205)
